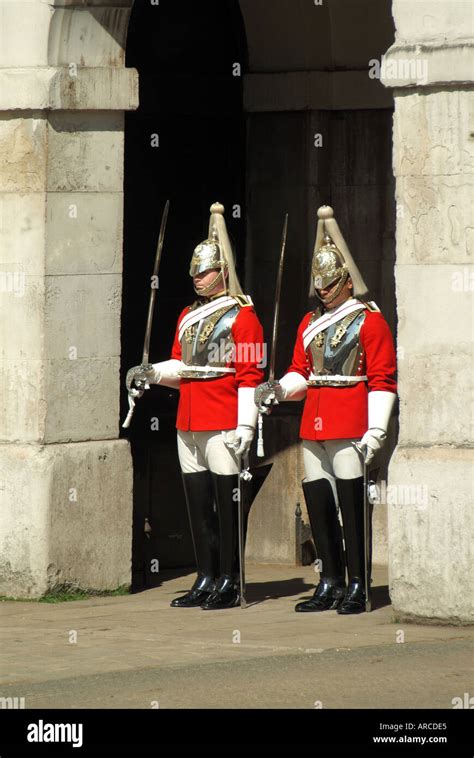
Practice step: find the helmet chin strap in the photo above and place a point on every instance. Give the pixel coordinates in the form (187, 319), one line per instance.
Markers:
(337, 291)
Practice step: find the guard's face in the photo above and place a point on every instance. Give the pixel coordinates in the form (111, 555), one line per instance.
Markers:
(204, 281)
(330, 296)
(326, 290)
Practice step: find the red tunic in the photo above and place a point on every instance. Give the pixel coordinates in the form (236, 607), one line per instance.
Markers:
(332, 413)
(212, 404)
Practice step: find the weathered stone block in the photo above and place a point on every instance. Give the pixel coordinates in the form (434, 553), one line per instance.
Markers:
(30, 47)
(95, 38)
(82, 399)
(434, 391)
(434, 307)
(82, 313)
(435, 219)
(84, 233)
(434, 355)
(431, 535)
(49, 495)
(429, 20)
(23, 153)
(22, 403)
(22, 303)
(22, 233)
(85, 151)
(438, 140)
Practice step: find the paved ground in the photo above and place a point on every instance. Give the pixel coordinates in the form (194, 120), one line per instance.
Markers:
(135, 651)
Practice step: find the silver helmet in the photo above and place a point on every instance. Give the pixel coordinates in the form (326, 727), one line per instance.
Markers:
(332, 260)
(216, 253)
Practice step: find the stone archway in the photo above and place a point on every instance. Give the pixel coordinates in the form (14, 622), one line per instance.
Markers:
(65, 478)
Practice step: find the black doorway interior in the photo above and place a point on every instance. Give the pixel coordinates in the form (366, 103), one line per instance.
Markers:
(186, 143)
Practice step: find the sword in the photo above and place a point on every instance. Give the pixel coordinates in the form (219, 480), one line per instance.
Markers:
(271, 375)
(367, 531)
(367, 542)
(244, 476)
(145, 364)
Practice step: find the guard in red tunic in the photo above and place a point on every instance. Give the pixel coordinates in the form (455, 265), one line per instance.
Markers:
(344, 365)
(216, 365)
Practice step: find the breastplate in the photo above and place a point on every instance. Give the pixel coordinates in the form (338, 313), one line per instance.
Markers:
(337, 351)
(209, 345)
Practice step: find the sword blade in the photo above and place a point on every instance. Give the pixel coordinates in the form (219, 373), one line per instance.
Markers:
(276, 314)
(156, 268)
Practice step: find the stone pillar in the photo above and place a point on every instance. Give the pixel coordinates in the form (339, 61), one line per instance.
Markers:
(431, 478)
(65, 477)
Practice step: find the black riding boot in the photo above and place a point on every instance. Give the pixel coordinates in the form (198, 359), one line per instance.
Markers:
(227, 591)
(351, 500)
(327, 537)
(204, 530)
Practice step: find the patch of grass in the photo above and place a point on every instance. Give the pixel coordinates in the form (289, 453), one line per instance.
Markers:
(67, 592)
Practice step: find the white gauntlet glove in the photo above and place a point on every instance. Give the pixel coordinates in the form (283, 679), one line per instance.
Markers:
(292, 386)
(166, 373)
(380, 409)
(246, 421)
(243, 439)
(372, 441)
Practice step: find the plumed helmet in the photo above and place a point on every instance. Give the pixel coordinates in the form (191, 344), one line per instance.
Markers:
(332, 260)
(216, 252)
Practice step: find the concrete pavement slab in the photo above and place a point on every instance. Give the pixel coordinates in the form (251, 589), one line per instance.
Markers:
(129, 651)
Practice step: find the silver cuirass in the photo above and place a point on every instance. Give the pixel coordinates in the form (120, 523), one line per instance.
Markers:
(336, 353)
(207, 346)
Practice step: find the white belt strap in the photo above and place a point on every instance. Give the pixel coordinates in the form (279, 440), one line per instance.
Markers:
(206, 369)
(335, 378)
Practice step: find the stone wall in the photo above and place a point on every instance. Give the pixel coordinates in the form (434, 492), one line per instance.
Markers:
(430, 518)
(65, 478)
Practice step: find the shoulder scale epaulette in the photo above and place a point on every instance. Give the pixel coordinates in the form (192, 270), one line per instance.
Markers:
(243, 301)
(372, 307)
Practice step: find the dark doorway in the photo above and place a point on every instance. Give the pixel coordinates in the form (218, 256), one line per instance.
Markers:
(186, 143)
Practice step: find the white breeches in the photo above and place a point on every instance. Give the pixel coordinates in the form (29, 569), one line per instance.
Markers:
(201, 451)
(332, 459)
